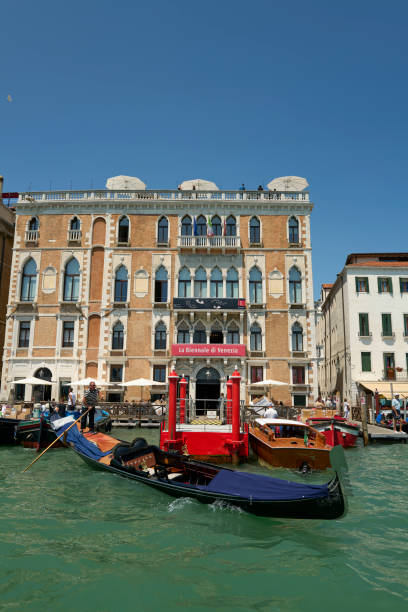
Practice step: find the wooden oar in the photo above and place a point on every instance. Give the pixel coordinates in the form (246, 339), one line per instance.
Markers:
(56, 440)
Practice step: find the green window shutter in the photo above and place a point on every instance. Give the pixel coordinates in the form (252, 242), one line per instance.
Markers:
(363, 321)
(360, 320)
(379, 285)
(367, 285)
(356, 284)
(366, 362)
(389, 282)
(386, 325)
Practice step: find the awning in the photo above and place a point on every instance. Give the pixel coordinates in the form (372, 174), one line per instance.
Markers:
(384, 388)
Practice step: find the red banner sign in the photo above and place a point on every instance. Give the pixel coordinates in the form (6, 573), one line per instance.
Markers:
(208, 350)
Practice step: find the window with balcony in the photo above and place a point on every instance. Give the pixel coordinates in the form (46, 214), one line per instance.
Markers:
(361, 284)
(386, 325)
(159, 373)
(405, 325)
(231, 226)
(254, 231)
(293, 230)
(116, 373)
(295, 286)
(34, 224)
(232, 283)
(75, 224)
(201, 226)
(366, 362)
(161, 285)
(68, 334)
(200, 283)
(183, 333)
(216, 282)
(403, 285)
(123, 230)
(121, 284)
(256, 374)
(233, 334)
(184, 283)
(28, 281)
(297, 337)
(163, 231)
(384, 284)
(186, 227)
(117, 336)
(216, 226)
(363, 324)
(200, 334)
(71, 281)
(255, 286)
(298, 375)
(160, 336)
(389, 366)
(24, 334)
(256, 337)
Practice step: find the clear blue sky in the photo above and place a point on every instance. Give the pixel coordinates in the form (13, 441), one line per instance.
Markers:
(232, 91)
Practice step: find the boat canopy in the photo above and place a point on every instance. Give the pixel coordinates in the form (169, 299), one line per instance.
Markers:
(280, 422)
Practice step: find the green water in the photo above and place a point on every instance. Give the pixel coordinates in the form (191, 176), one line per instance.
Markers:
(72, 538)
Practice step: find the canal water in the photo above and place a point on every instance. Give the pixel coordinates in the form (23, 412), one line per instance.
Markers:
(72, 538)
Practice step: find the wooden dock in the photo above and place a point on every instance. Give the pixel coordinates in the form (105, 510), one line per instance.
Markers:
(383, 434)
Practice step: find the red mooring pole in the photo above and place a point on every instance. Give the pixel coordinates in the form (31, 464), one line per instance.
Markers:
(173, 378)
(236, 380)
(183, 390)
(229, 401)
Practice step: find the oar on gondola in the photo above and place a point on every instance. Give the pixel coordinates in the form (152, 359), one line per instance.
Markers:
(56, 439)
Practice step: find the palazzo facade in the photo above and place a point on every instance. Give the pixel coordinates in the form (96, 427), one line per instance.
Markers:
(126, 282)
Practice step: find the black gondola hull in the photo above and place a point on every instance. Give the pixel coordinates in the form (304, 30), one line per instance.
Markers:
(331, 507)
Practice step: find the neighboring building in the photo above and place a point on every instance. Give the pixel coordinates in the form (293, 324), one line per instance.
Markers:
(362, 327)
(7, 218)
(122, 283)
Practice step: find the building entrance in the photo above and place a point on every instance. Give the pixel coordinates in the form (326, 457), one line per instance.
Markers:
(207, 391)
(42, 393)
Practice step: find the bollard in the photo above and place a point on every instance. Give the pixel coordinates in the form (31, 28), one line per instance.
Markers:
(173, 378)
(183, 390)
(229, 401)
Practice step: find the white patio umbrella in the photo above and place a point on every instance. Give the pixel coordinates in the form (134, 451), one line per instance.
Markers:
(269, 382)
(85, 382)
(141, 382)
(32, 380)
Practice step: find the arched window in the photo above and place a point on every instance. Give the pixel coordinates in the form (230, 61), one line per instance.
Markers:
(216, 283)
(186, 226)
(160, 340)
(123, 230)
(184, 285)
(117, 336)
(201, 226)
(71, 281)
(163, 231)
(75, 224)
(34, 224)
(233, 334)
(200, 283)
(232, 283)
(231, 226)
(254, 230)
(216, 226)
(256, 337)
(183, 333)
(255, 286)
(295, 286)
(293, 230)
(121, 284)
(29, 281)
(160, 285)
(200, 335)
(297, 337)
(216, 335)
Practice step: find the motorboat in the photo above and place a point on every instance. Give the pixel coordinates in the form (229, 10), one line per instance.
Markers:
(336, 430)
(180, 476)
(289, 444)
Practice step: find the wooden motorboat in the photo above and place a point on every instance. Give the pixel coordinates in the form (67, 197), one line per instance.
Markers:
(180, 476)
(336, 430)
(289, 444)
(38, 433)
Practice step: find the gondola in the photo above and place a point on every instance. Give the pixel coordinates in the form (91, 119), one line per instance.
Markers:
(8, 430)
(180, 476)
(38, 433)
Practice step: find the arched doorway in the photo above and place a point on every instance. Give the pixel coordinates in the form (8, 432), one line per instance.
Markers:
(207, 390)
(42, 393)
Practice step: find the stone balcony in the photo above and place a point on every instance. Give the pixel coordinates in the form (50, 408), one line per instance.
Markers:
(211, 243)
